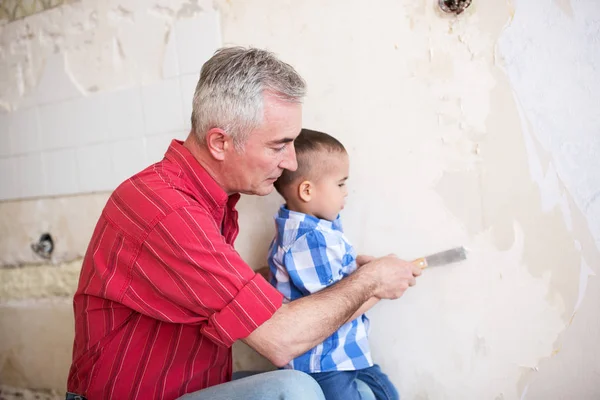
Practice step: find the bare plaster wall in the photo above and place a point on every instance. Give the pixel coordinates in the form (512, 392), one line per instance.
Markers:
(448, 147)
(439, 157)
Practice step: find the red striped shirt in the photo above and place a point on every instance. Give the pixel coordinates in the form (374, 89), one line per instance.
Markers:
(162, 294)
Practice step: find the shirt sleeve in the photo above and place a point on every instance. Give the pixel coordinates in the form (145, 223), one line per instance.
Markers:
(187, 273)
(315, 261)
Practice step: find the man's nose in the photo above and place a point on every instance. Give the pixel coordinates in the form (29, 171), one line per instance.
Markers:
(290, 162)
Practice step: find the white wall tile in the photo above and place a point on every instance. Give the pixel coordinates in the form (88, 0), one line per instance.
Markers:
(8, 178)
(87, 120)
(95, 168)
(30, 181)
(73, 123)
(156, 147)
(124, 114)
(24, 131)
(170, 67)
(129, 158)
(4, 137)
(29, 100)
(188, 86)
(60, 168)
(197, 39)
(97, 118)
(162, 106)
(55, 84)
(55, 128)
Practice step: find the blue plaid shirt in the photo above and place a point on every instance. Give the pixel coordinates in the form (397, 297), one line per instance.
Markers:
(307, 255)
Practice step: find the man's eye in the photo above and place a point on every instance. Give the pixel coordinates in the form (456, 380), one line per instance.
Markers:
(342, 184)
(279, 149)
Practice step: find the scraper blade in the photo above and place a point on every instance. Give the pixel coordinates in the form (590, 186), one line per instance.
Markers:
(442, 258)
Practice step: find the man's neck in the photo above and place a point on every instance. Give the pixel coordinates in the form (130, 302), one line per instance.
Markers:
(210, 165)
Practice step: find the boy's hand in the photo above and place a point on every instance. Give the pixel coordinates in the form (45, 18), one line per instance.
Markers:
(391, 276)
(363, 259)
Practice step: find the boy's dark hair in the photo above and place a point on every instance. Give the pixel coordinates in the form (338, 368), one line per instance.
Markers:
(307, 145)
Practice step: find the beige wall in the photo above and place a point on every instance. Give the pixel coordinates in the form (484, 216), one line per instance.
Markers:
(453, 126)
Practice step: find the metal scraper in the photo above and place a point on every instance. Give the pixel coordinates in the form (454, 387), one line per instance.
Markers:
(442, 258)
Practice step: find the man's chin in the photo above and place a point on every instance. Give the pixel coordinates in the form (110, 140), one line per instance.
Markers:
(267, 190)
(261, 191)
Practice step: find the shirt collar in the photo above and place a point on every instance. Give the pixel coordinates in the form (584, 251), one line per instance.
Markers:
(287, 214)
(204, 184)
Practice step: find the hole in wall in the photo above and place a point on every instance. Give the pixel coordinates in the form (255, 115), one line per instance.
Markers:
(44, 246)
(454, 6)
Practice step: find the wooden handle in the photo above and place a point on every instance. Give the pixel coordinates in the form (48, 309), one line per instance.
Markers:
(421, 262)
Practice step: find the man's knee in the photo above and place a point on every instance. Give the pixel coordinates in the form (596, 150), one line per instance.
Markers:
(297, 385)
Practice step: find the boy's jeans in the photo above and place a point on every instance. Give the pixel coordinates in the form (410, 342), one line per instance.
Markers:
(341, 385)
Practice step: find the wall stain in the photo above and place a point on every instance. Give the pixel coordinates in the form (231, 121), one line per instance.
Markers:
(565, 6)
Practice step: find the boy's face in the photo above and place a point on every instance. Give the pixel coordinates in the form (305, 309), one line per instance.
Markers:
(330, 192)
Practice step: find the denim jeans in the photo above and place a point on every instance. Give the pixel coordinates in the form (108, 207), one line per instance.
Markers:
(342, 385)
(254, 385)
(365, 391)
(274, 385)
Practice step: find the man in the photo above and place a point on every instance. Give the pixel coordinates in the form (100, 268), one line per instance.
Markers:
(163, 295)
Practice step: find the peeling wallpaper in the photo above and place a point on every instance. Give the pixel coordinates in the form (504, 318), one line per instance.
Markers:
(551, 55)
(480, 130)
(105, 45)
(544, 76)
(11, 10)
(63, 140)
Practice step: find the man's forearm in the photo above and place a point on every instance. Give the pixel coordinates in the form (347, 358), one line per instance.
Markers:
(321, 314)
(301, 325)
(304, 323)
(367, 305)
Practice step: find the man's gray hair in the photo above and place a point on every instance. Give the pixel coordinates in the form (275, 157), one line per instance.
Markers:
(229, 94)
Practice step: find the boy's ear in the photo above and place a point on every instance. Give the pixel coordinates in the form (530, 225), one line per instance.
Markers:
(217, 142)
(305, 191)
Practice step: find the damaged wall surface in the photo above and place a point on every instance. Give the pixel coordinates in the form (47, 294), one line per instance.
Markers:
(551, 54)
(479, 130)
(96, 90)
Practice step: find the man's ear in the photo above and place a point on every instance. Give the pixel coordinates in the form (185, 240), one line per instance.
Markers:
(218, 143)
(306, 191)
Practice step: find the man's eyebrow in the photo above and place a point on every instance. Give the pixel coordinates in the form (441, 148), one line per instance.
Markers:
(281, 141)
(344, 179)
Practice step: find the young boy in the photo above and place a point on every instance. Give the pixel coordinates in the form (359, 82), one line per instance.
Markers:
(310, 252)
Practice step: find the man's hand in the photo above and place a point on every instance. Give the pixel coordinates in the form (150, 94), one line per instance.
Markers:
(363, 259)
(391, 276)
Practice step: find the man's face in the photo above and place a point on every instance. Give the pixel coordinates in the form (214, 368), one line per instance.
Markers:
(268, 150)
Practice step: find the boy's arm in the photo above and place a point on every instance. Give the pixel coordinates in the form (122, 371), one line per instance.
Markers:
(312, 262)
